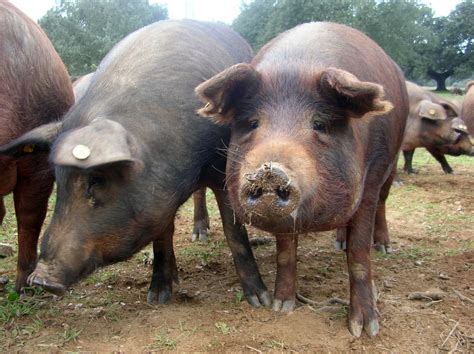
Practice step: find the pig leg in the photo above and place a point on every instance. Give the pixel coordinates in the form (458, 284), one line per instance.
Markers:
(341, 239)
(408, 167)
(254, 289)
(201, 216)
(442, 160)
(285, 284)
(3, 211)
(363, 310)
(31, 204)
(164, 268)
(381, 238)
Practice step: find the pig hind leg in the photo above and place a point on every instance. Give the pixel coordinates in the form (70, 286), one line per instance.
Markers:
(254, 289)
(201, 216)
(164, 268)
(408, 157)
(31, 196)
(3, 211)
(442, 160)
(381, 238)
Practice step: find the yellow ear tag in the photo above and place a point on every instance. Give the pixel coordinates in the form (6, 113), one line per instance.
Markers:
(29, 148)
(81, 152)
(432, 112)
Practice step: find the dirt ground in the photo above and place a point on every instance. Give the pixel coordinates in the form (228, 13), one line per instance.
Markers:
(431, 224)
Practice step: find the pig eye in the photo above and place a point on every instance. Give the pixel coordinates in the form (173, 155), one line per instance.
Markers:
(253, 124)
(319, 126)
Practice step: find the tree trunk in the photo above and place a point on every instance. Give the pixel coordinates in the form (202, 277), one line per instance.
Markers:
(440, 78)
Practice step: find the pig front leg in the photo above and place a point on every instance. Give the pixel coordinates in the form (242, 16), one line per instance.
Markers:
(30, 196)
(164, 268)
(254, 289)
(408, 156)
(201, 216)
(442, 161)
(285, 284)
(362, 309)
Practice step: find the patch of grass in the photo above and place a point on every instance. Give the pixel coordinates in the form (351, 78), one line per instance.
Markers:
(163, 342)
(463, 247)
(70, 334)
(274, 344)
(340, 314)
(205, 252)
(414, 253)
(101, 276)
(13, 305)
(223, 327)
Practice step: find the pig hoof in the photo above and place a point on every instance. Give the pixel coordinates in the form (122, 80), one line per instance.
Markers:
(283, 306)
(372, 328)
(340, 245)
(158, 298)
(355, 327)
(256, 300)
(200, 235)
(384, 249)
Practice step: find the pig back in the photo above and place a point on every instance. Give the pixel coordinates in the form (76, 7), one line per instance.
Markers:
(35, 88)
(468, 108)
(147, 83)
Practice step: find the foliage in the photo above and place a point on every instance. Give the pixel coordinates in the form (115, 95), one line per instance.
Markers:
(83, 31)
(406, 30)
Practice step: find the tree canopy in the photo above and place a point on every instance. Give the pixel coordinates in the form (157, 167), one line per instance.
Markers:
(407, 30)
(83, 31)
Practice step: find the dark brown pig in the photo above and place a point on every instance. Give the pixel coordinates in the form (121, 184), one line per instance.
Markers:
(34, 90)
(313, 146)
(467, 113)
(132, 150)
(201, 215)
(429, 125)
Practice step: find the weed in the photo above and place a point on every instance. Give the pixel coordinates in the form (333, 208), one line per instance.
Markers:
(223, 327)
(274, 344)
(164, 342)
(14, 306)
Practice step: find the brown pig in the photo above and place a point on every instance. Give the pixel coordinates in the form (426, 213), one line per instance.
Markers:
(317, 120)
(34, 90)
(467, 113)
(429, 125)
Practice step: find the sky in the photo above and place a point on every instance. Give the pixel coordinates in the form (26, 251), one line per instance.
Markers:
(206, 10)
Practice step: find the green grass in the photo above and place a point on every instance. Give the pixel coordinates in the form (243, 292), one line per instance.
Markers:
(422, 158)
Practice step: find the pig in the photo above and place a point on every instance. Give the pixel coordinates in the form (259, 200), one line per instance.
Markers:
(467, 111)
(429, 125)
(317, 120)
(34, 90)
(131, 151)
(81, 85)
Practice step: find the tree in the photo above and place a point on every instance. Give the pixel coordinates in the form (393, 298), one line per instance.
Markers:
(449, 51)
(83, 31)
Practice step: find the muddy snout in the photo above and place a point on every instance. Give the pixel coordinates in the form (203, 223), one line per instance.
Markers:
(41, 277)
(269, 191)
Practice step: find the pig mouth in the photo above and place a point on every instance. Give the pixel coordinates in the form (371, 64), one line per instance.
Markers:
(49, 285)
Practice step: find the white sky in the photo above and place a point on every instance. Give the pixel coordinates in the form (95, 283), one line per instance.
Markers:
(206, 10)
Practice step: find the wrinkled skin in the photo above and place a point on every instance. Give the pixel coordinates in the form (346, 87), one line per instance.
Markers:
(317, 121)
(34, 90)
(201, 215)
(131, 151)
(430, 125)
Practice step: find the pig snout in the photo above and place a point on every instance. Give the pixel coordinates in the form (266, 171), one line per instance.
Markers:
(269, 191)
(42, 276)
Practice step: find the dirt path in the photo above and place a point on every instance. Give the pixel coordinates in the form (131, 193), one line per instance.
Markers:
(431, 223)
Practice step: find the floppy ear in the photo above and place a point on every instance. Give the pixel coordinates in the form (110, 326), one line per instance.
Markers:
(459, 125)
(430, 110)
(39, 139)
(223, 92)
(99, 143)
(357, 97)
(451, 109)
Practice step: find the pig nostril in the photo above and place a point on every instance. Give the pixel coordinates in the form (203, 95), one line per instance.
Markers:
(283, 194)
(255, 194)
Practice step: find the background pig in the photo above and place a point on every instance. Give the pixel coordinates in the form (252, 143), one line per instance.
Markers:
(313, 147)
(429, 125)
(34, 90)
(468, 107)
(132, 150)
(81, 85)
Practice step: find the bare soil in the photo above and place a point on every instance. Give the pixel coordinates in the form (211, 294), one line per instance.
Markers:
(431, 224)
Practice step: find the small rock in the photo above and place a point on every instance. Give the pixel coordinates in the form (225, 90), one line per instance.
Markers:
(5, 250)
(443, 276)
(387, 284)
(3, 281)
(418, 263)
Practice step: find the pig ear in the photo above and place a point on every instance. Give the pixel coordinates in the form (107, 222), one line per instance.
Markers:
(451, 109)
(39, 139)
(459, 126)
(430, 110)
(99, 143)
(223, 92)
(351, 94)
